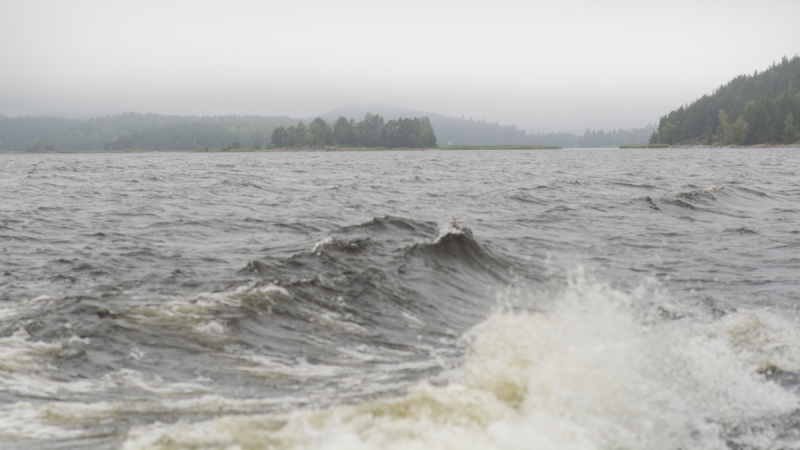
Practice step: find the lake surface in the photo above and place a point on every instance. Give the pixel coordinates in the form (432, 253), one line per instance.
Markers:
(591, 299)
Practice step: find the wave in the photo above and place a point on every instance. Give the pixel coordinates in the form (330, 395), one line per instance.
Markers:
(694, 199)
(200, 314)
(596, 370)
(701, 195)
(456, 247)
(740, 230)
(732, 200)
(352, 246)
(732, 194)
(384, 258)
(633, 185)
(393, 224)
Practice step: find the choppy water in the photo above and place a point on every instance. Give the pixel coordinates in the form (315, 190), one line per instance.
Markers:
(587, 299)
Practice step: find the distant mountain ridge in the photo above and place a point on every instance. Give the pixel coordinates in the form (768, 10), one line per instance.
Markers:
(463, 131)
(449, 130)
(137, 131)
(749, 110)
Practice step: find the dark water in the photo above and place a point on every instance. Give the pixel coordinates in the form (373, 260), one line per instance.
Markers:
(526, 299)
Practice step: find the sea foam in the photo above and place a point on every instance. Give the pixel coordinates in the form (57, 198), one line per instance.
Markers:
(597, 370)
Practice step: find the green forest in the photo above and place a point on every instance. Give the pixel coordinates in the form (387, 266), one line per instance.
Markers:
(459, 131)
(751, 109)
(596, 138)
(134, 131)
(142, 132)
(371, 132)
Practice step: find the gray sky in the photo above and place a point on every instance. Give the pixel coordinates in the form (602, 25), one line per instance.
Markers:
(542, 65)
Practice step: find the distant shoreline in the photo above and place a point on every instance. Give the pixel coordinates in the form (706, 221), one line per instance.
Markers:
(314, 149)
(383, 149)
(500, 147)
(644, 146)
(692, 145)
(766, 145)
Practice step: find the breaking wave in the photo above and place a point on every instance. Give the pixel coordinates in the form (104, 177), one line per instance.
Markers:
(594, 371)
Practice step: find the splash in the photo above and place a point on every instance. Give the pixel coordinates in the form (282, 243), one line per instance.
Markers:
(600, 369)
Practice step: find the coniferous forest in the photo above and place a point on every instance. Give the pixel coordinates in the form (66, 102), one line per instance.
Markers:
(136, 132)
(749, 110)
(133, 131)
(371, 132)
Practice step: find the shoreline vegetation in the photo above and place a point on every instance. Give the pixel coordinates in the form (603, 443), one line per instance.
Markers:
(759, 110)
(383, 149)
(500, 147)
(645, 146)
(332, 148)
(372, 132)
(719, 145)
(131, 131)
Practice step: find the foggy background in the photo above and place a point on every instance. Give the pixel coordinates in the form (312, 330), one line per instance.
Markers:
(544, 66)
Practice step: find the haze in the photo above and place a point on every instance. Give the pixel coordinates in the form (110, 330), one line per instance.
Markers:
(544, 66)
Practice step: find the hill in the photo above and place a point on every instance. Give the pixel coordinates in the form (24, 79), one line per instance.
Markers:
(134, 131)
(455, 131)
(449, 130)
(749, 110)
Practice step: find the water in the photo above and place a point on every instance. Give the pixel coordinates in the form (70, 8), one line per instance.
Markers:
(586, 299)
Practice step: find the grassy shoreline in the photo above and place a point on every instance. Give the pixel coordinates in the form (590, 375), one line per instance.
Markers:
(380, 149)
(68, 152)
(313, 149)
(645, 146)
(500, 147)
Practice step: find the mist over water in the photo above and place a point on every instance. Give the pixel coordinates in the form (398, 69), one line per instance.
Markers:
(544, 67)
(558, 299)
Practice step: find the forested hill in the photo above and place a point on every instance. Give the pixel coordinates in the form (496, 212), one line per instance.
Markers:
(596, 138)
(134, 131)
(449, 130)
(749, 110)
(469, 131)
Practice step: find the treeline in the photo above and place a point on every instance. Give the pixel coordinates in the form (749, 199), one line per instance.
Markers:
(133, 131)
(459, 131)
(750, 109)
(16, 133)
(448, 130)
(596, 138)
(469, 131)
(371, 132)
(190, 136)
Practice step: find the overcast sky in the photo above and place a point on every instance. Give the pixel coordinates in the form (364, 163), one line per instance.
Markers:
(542, 65)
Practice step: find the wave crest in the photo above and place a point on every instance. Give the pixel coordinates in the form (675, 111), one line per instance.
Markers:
(593, 372)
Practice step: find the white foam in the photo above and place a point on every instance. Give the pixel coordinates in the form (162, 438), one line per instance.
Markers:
(24, 421)
(197, 314)
(24, 365)
(412, 320)
(273, 367)
(339, 323)
(449, 227)
(322, 244)
(30, 421)
(10, 310)
(150, 383)
(596, 371)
